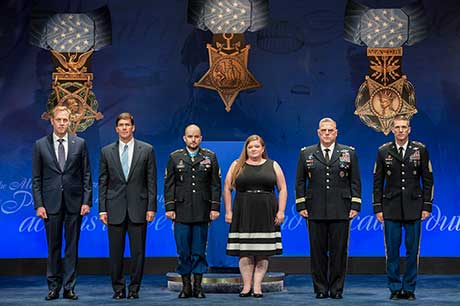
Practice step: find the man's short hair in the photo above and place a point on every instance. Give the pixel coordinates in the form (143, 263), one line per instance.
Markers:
(401, 117)
(124, 116)
(327, 119)
(59, 108)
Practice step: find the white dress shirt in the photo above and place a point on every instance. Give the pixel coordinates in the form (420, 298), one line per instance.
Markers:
(121, 147)
(404, 146)
(65, 143)
(331, 150)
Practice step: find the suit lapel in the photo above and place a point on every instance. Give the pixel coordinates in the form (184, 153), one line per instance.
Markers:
(70, 150)
(186, 157)
(53, 153)
(198, 158)
(409, 151)
(319, 155)
(394, 152)
(116, 159)
(136, 155)
(335, 154)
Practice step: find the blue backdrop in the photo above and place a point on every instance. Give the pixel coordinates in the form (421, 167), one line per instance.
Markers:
(307, 70)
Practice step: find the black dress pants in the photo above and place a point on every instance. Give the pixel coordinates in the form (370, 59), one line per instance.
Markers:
(329, 254)
(117, 237)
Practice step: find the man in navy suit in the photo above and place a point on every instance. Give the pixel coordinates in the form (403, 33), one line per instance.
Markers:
(127, 201)
(62, 191)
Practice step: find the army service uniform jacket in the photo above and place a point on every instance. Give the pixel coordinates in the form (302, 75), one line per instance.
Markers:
(403, 187)
(192, 188)
(328, 190)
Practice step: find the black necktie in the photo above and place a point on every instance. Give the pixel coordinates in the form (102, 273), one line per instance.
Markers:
(401, 152)
(326, 155)
(61, 154)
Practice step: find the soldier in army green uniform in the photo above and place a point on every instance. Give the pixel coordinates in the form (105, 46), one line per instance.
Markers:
(328, 194)
(192, 191)
(402, 198)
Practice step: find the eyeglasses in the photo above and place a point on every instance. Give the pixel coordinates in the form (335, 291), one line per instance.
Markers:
(327, 131)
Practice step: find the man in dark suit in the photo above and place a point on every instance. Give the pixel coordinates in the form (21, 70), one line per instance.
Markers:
(328, 194)
(127, 201)
(192, 192)
(61, 183)
(402, 198)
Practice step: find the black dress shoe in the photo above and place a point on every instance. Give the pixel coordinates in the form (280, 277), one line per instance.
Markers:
(337, 296)
(70, 295)
(258, 295)
(409, 295)
(396, 295)
(133, 295)
(52, 295)
(321, 295)
(119, 294)
(246, 294)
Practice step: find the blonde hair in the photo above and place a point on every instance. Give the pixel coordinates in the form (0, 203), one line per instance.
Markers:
(59, 108)
(241, 161)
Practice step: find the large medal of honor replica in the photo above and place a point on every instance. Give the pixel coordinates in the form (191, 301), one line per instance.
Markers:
(386, 91)
(72, 38)
(228, 72)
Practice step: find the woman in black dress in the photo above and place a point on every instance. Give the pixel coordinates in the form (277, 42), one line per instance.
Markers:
(256, 215)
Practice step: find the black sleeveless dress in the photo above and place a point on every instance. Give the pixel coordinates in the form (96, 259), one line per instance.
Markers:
(253, 231)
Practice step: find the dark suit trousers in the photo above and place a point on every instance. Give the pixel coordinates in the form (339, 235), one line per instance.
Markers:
(117, 237)
(328, 237)
(62, 271)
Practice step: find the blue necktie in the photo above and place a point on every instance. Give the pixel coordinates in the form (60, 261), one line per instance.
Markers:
(124, 161)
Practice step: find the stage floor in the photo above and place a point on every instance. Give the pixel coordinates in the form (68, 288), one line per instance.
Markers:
(432, 290)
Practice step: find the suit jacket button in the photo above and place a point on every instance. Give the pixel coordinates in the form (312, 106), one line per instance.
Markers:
(193, 190)
(327, 187)
(403, 188)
